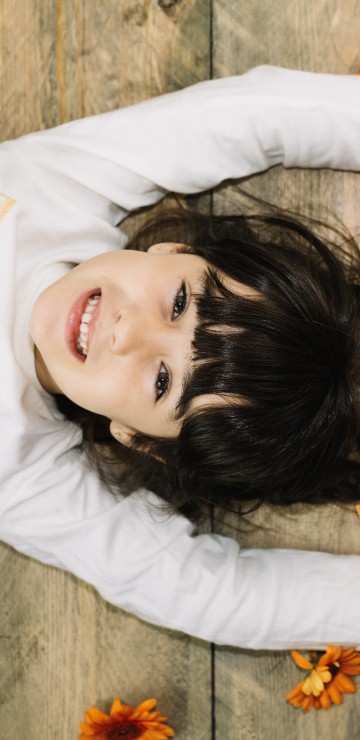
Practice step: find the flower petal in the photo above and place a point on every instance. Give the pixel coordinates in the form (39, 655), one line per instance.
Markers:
(349, 652)
(308, 703)
(296, 691)
(86, 730)
(307, 686)
(324, 673)
(334, 693)
(324, 700)
(344, 683)
(350, 670)
(146, 706)
(331, 655)
(317, 683)
(300, 660)
(116, 706)
(351, 660)
(96, 716)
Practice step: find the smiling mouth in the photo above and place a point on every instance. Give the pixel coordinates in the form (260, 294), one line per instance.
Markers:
(86, 318)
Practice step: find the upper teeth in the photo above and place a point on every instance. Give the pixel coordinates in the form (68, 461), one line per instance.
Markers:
(82, 342)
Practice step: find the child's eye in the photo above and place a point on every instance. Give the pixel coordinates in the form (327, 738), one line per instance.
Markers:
(163, 377)
(162, 382)
(180, 302)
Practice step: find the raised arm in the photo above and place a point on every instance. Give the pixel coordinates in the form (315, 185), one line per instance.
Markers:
(203, 585)
(191, 140)
(66, 182)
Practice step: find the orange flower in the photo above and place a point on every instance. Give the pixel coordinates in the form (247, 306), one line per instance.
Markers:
(125, 723)
(328, 678)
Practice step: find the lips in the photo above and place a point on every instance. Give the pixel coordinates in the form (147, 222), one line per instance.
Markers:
(80, 348)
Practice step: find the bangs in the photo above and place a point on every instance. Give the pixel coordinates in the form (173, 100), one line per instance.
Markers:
(223, 329)
(269, 350)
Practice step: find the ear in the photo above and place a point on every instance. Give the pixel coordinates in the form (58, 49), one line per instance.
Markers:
(127, 437)
(122, 433)
(168, 248)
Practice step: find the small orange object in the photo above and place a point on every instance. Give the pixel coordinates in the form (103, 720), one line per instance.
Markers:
(125, 723)
(328, 678)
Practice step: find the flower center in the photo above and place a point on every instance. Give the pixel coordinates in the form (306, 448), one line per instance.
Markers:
(127, 730)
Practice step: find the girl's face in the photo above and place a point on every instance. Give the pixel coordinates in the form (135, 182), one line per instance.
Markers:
(114, 335)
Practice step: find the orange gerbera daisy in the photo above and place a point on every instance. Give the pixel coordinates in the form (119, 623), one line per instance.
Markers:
(328, 678)
(125, 723)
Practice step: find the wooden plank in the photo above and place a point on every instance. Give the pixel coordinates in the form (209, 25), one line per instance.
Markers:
(321, 36)
(64, 59)
(62, 648)
(250, 687)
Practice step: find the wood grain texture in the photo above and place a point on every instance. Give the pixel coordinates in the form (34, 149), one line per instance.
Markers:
(319, 37)
(250, 688)
(64, 59)
(62, 648)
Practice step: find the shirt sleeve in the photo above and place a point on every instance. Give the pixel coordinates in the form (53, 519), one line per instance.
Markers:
(191, 140)
(156, 567)
(98, 169)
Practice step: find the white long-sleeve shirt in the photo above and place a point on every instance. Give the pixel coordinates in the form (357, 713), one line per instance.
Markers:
(64, 193)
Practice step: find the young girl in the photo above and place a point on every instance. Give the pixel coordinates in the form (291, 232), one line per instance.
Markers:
(268, 409)
(114, 335)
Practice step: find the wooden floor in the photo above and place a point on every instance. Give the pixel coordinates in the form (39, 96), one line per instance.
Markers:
(62, 647)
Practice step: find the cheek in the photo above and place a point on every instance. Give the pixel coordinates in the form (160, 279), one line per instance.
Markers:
(109, 392)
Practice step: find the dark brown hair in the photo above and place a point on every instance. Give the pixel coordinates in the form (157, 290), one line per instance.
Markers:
(287, 369)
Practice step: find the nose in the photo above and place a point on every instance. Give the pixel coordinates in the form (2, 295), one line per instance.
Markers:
(134, 332)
